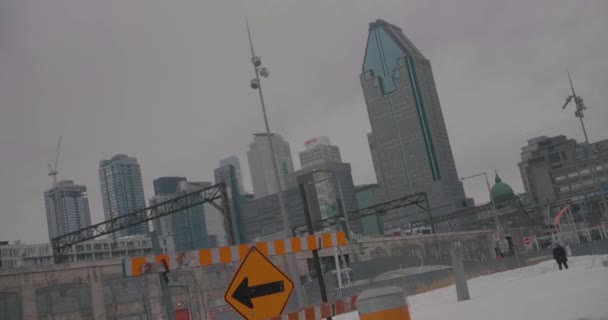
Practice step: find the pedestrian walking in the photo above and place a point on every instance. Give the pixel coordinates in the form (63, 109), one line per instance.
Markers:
(559, 254)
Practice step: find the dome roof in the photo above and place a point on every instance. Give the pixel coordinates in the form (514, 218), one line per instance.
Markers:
(501, 191)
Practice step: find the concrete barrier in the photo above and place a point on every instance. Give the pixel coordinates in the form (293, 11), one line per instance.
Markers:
(388, 303)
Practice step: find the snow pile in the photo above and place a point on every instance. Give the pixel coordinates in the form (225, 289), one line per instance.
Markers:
(539, 292)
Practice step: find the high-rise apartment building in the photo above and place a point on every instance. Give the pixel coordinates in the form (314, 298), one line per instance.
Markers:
(319, 150)
(122, 190)
(67, 208)
(409, 140)
(260, 163)
(234, 161)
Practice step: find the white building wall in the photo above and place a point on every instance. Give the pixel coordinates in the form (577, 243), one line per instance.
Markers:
(31, 255)
(319, 150)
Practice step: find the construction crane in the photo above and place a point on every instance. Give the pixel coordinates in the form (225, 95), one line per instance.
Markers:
(53, 170)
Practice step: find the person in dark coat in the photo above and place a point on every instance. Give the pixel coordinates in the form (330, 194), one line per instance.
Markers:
(559, 254)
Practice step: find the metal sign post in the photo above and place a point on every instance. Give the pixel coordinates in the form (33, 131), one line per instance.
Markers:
(259, 289)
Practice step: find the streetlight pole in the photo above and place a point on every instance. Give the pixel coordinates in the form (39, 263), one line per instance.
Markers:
(580, 107)
(256, 84)
(493, 207)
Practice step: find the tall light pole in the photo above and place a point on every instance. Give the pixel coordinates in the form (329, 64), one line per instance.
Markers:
(256, 84)
(580, 106)
(493, 208)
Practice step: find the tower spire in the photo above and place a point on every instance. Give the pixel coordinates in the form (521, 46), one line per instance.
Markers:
(249, 35)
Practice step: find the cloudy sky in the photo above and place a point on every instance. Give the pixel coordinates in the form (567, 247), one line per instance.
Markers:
(168, 83)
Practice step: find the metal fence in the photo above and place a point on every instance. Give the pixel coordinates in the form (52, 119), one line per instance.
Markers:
(416, 275)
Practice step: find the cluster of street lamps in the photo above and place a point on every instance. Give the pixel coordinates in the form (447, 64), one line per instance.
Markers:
(580, 107)
(256, 84)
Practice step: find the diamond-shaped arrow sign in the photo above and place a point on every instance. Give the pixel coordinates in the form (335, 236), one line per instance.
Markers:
(259, 290)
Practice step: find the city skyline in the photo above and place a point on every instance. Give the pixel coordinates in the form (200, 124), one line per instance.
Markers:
(514, 91)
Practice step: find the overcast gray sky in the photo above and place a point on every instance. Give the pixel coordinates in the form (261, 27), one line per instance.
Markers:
(168, 83)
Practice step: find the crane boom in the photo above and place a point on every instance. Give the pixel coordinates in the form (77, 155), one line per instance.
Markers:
(53, 170)
(57, 155)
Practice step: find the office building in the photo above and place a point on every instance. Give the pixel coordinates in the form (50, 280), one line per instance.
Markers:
(67, 208)
(319, 150)
(539, 158)
(558, 168)
(122, 190)
(262, 216)
(329, 187)
(165, 188)
(234, 161)
(369, 195)
(166, 185)
(409, 141)
(228, 175)
(323, 183)
(202, 226)
(260, 163)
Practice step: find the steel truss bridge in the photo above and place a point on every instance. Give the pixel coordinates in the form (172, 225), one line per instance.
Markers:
(419, 200)
(215, 195)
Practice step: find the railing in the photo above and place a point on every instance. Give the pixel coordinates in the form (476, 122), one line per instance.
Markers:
(577, 236)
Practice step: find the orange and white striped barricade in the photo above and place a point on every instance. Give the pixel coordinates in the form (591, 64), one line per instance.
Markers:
(137, 266)
(388, 303)
(322, 311)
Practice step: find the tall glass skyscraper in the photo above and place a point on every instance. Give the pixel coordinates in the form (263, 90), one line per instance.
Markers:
(122, 190)
(234, 161)
(201, 226)
(67, 208)
(409, 141)
(229, 176)
(260, 163)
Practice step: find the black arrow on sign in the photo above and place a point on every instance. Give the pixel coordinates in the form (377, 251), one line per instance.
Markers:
(244, 293)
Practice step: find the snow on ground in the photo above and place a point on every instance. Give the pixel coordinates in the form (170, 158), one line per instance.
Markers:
(539, 292)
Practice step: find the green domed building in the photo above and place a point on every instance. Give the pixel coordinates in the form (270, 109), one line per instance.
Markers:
(501, 192)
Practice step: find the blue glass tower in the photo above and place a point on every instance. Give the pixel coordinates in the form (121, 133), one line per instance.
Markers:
(409, 140)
